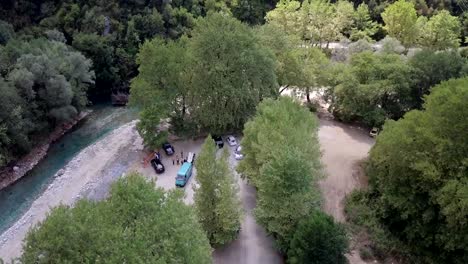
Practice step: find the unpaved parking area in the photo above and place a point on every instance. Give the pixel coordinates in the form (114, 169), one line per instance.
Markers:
(166, 180)
(253, 245)
(343, 147)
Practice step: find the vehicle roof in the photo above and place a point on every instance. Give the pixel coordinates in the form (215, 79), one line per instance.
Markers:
(184, 169)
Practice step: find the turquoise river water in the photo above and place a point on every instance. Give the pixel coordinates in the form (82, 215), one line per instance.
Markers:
(17, 198)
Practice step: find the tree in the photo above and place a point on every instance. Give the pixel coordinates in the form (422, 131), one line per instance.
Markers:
(363, 26)
(313, 69)
(252, 11)
(15, 127)
(289, 69)
(149, 127)
(401, 22)
(231, 74)
(53, 78)
(282, 161)
(315, 21)
(441, 32)
(136, 224)
(318, 240)
(287, 17)
(417, 171)
(163, 83)
(371, 88)
(216, 199)
(391, 45)
(431, 68)
(6, 32)
(99, 49)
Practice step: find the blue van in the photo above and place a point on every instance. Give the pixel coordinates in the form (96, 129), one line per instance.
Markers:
(184, 174)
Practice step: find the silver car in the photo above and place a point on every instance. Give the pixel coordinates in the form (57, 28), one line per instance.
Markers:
(238, 153)
(231, 140)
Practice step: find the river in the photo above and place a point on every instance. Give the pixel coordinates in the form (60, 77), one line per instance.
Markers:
(18, 197)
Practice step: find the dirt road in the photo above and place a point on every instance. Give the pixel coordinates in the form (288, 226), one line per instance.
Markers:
(343, 147)
(253, 245)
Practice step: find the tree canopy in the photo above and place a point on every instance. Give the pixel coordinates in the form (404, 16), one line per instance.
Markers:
(282, 161)
(44, 84)
(417, 170)
(211, 81)
(318, 240)
(374, 86)
(136, 224)
(232, 73)
(216, 199)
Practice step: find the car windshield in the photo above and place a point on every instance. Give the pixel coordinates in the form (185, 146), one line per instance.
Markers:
(180, 178)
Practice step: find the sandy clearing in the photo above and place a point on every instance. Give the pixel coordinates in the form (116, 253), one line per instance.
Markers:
(343, 147)
(79, 176)
(166, 180)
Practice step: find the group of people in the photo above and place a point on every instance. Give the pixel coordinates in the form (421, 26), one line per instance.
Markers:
(179, 160)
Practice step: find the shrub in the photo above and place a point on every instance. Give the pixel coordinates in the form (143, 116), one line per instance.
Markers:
(318, 239)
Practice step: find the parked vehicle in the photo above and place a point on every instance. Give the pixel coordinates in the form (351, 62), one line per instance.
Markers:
(231, 140)
(157, 165)
(168, 148)
(218, 141)
(374, 132)
(184, 174)
(191, 157)
(238, 153)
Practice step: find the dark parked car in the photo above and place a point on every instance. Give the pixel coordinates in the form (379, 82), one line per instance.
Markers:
(157, 164)
(218, 141)
(168, 148)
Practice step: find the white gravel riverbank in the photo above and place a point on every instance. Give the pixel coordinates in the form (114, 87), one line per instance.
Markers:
(84, 173)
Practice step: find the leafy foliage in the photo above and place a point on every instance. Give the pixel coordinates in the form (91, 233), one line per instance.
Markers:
(149, 127)
(216, 199)
(316, 21)
(282, 160)
(431, 68)
(441, 31)
(136, 224)
(372, 88)
(363, 26)
(401, 22)
(45, 84)
(318, 239)
(418, 171)
(232, 73)
(213, 79)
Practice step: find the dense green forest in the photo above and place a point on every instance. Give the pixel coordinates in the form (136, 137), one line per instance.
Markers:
(219, 66)
(109, 35)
